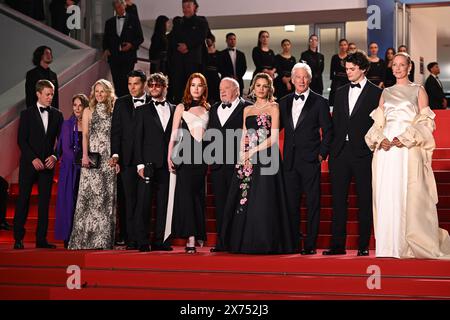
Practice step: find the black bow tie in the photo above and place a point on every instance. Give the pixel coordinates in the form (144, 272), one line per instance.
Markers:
(231, 49)
(120, 17)
(301, 96)
(160, 103)
(226, 105)
(138, 100)
(43, 109)
(357, 85)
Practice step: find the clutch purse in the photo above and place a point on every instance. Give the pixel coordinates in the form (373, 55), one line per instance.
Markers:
(94, 159)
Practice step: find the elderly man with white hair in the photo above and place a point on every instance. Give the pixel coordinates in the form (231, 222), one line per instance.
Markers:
(225, 116)
(303, 114)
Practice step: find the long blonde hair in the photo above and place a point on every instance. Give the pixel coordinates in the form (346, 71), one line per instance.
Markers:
(109, 89)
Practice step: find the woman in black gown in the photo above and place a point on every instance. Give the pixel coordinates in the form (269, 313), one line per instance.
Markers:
(159, 46)
(192, 115)
(263, 56)
(284, 63)
(338, 75)
(256, 218)
(377, 67)
(389, 78)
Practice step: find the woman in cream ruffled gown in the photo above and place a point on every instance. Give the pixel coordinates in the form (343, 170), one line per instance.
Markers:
(404, 190)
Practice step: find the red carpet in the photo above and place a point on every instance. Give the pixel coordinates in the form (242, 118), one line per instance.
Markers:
(41, 274)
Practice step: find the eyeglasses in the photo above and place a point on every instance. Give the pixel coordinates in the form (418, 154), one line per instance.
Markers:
(156, 85)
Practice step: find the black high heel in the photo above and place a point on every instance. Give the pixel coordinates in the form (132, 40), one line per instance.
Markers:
(190, 250)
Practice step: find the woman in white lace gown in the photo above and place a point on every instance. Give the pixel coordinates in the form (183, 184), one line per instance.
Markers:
(192, 115)
(404, 190)
(94, 219)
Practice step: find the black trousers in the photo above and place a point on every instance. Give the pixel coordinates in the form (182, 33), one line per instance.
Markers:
(342, 169)
(121, 225)
(3, 199)
(119, 72)
(159, 187)
(27, 177)
(129, 180)
(304, 178)
(221, 183)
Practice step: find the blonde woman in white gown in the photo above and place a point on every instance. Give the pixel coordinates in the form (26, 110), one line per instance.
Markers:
(404, 190)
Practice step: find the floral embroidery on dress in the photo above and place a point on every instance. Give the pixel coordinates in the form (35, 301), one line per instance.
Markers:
(245, 170)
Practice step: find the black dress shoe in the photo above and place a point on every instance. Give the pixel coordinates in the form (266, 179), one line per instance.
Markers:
(5, 226)
(45, 245)
(18, 245)
(144, 248)
(364, 252)
(159, 247)
(215, 249)
(307, 252)
(119, 242)
(334, 252)
(132, 246)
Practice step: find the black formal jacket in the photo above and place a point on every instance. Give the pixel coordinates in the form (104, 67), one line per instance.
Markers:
(32, 77)
(435, 93)
(226, 66)
(123, 129)
(152, 141)
(32, 139)
(131, 32)
(234, 122)
(316, 61)
(358, 123)
(191, 31)
(304, 141)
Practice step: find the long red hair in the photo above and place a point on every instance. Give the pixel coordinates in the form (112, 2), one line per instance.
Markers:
(187, 97)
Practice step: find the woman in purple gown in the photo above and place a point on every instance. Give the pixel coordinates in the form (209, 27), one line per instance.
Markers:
(69, 145)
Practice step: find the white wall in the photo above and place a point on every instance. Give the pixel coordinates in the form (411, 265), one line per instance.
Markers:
(149, 9)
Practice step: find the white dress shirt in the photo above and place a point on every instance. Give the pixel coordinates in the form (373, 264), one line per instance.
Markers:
(119, 25)
(225, 113)
(44, 115)
(163, 113)
(232, 54)
(297, 106)
(353, 95)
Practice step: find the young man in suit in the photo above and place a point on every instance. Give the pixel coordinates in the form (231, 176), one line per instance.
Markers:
(434, 87)
(42, 58)
(232, 62)
(122, 38)
(152, 141)
(303, 114)
(349, 155)
(123, 135)
(225, 116)
(39, 128)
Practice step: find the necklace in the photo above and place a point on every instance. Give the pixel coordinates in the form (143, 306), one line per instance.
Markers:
(265, 105)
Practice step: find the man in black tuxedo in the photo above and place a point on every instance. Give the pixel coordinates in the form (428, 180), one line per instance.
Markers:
(152, 141)
(225, 116)
(122, 38)
(434, 88)
(303, 114)
(39, 127)
(123, 135)
(42, 58)
(349, 155)
(232, 62)
(187, 47)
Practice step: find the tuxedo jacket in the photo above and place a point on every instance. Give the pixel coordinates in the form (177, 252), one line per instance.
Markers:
(32, 139)
(152, 141)
(234, 122)
(226, 66)
(435, 93)
(131, 32)
(304, 140)
(32, 77)
(123, 129)
(356, 124)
